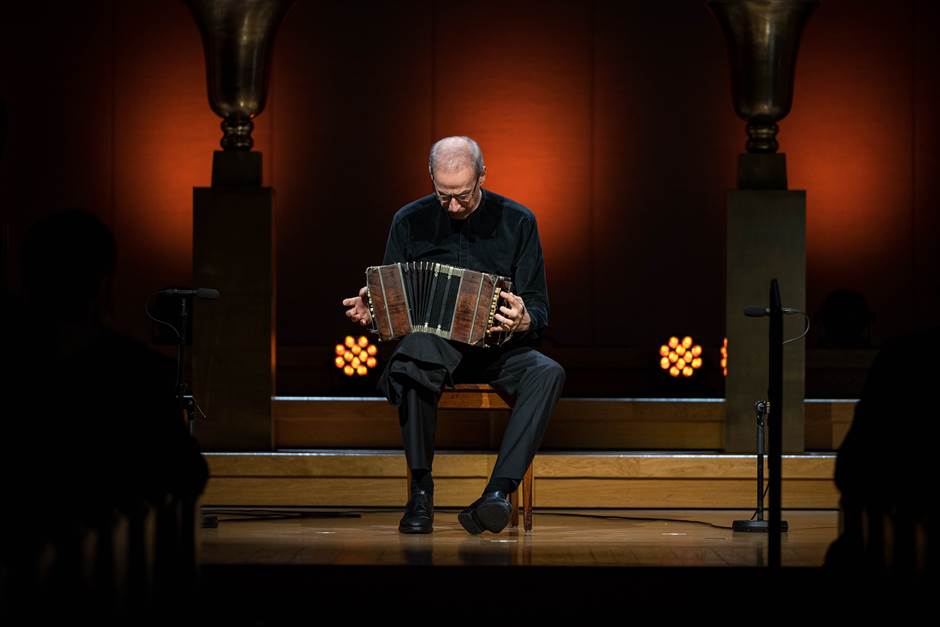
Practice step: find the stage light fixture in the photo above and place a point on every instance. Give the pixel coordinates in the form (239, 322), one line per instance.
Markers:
(680, 357)
(356, 356)
(724, 357)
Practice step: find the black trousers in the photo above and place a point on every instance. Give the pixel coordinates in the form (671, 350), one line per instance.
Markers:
(532, 381)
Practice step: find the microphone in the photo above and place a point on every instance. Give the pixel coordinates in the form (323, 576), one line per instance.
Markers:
(199, 292)
(756, 311)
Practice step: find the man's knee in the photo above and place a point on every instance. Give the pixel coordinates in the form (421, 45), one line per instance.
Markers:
(550, 369)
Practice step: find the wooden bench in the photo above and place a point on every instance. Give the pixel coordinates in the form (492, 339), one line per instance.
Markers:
(470, 396)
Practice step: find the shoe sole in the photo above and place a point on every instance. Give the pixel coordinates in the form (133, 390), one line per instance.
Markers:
(491, 517)
(469, 522)
(494, 516)
(402, 529)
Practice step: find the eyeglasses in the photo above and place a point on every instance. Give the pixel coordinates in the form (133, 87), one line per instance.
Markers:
(463, 199)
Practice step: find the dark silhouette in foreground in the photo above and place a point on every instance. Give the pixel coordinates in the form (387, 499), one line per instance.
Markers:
(884, 469)
(100, 471)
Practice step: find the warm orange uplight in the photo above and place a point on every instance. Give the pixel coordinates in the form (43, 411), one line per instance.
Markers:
(724, 357)
(680, 357)
(355, 356)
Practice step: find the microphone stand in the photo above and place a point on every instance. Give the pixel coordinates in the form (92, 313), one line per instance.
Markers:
(757, 522)
(187, 402)
(184, 397)
(775, 394)
(773, 407)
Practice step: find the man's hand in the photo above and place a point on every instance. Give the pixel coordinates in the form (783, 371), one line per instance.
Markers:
(514, 318)
(358, 309)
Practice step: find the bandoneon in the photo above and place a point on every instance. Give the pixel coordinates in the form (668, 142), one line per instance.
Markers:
(428, 297)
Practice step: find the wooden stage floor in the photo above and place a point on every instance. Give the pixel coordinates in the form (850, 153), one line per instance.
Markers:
(589, 563)
(559, 538)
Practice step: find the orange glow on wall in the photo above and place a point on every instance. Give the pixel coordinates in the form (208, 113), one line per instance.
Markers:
(565, 105)
(164, 134)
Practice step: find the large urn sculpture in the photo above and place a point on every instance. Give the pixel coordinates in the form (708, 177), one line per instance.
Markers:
(238, 39)
(763, 38)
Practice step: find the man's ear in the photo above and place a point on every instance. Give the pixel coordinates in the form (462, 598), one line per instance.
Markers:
(483, 176)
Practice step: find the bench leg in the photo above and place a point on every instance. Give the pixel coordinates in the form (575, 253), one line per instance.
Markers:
(528, 496)
(407, 483)
(514, 500)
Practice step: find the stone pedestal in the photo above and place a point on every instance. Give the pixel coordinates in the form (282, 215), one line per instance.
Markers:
(766, 240)
(234, 337)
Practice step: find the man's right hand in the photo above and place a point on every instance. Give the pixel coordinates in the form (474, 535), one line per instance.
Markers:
(358, 309)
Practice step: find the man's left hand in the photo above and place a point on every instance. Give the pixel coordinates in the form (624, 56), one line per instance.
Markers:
(514, 318)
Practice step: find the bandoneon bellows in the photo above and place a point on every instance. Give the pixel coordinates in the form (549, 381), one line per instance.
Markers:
(428, 297)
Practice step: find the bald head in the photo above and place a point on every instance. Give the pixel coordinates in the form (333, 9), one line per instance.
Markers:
(452, 154)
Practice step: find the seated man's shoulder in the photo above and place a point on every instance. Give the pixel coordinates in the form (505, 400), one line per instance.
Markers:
(511, 207)
(417, 208)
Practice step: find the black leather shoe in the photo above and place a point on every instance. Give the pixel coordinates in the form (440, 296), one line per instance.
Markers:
(490, 512)
(419, 513)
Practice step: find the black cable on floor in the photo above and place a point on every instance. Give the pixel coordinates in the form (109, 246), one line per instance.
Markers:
(248, 514)
(638, 518)
(256, 514)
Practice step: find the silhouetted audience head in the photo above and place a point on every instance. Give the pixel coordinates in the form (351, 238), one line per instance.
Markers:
(108, 418)
(68, 263)
(845, 320)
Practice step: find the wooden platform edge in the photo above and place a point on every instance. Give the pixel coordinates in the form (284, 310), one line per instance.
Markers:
(588, 480)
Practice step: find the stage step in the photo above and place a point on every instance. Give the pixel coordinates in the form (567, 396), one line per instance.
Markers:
(590, 479)
(304, 422)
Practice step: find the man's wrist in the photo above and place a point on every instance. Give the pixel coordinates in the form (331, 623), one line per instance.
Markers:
(526, 323)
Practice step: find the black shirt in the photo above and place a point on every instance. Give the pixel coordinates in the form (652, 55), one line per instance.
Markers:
(499, 237)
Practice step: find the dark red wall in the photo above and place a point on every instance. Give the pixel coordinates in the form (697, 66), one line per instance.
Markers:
(611, 120)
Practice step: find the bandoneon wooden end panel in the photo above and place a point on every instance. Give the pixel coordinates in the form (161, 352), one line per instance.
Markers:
(465, 311)
(388, 302)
